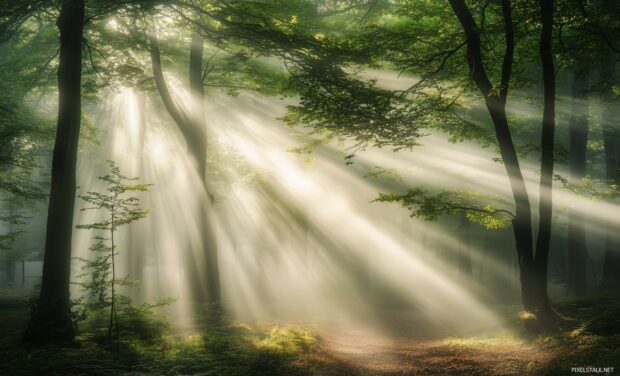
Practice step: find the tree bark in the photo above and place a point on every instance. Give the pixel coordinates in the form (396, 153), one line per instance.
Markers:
(546, 161)
(51, 315)
(193, 129)
(578, 134)
(611, 143)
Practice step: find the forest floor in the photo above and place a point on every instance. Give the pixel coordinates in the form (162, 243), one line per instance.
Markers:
(150, 348)
(358, 353)
(590, 338)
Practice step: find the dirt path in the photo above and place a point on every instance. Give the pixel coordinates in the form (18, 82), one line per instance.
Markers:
(358, 352)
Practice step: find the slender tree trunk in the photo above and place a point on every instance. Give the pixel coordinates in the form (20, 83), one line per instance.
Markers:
(578, 134)
(113, 284)
(193, 128)
(532, 274)
(51, 316)
(23, 264)
(136, 255)
(11, 252)
(611, 142)
(199, 153)
(545, 212)
(9, 267)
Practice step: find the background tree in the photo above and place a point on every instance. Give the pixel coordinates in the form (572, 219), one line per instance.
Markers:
(193, 127)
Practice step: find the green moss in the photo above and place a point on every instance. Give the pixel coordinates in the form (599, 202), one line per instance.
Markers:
(149, 346)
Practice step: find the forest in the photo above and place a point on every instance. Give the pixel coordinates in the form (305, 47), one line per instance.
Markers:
(309, 187)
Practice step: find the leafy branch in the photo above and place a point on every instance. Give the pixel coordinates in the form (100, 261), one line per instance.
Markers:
(430, 207)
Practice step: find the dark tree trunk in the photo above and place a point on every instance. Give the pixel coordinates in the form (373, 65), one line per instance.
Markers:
(194, 132)
(9, 269)
(51, 315)
(23, 265)
(541, 259)
(578, 134)
(532, 274)
(611, 142)
(11, 253)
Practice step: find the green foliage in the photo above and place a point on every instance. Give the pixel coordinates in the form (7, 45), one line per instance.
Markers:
(334, 101)
(389, 173)
(26, 64)
(591, 188)
(289, 340)
(150, 346)
(138, 322)
(431, 206)
(120, 208)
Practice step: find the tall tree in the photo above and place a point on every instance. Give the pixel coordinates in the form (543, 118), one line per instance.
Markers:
(532, 260)
(578, 138)
(191, 123)
(51, 314)
(547, 145)
(611, 144)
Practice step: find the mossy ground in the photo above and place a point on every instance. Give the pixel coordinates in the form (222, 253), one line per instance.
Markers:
(147, 346)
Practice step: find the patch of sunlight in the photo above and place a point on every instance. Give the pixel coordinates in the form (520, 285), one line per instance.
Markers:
(526, 315)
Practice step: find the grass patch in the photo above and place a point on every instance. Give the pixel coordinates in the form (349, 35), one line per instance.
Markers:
(149, 346)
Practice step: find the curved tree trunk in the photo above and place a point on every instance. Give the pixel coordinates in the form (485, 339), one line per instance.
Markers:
(51, 316)
(533, 270)
(202, 277)
(495, 102)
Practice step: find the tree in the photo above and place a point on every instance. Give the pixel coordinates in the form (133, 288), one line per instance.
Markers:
(192, 126)
(121, 210)
(51, 314)
(578, 134)
(611, 144)
(532, 256)
(335, 100)
(547, 159)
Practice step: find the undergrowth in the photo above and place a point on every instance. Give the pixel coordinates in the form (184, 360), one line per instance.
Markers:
(589, 338)
(150, 346)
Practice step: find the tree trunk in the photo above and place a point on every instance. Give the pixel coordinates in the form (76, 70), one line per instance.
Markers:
(546, 161)
(532, 275)
(199, 154)
(51, 315)
(193, 129)
(135, 257)
(611, 142)
(578, 134)
(11, 253)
